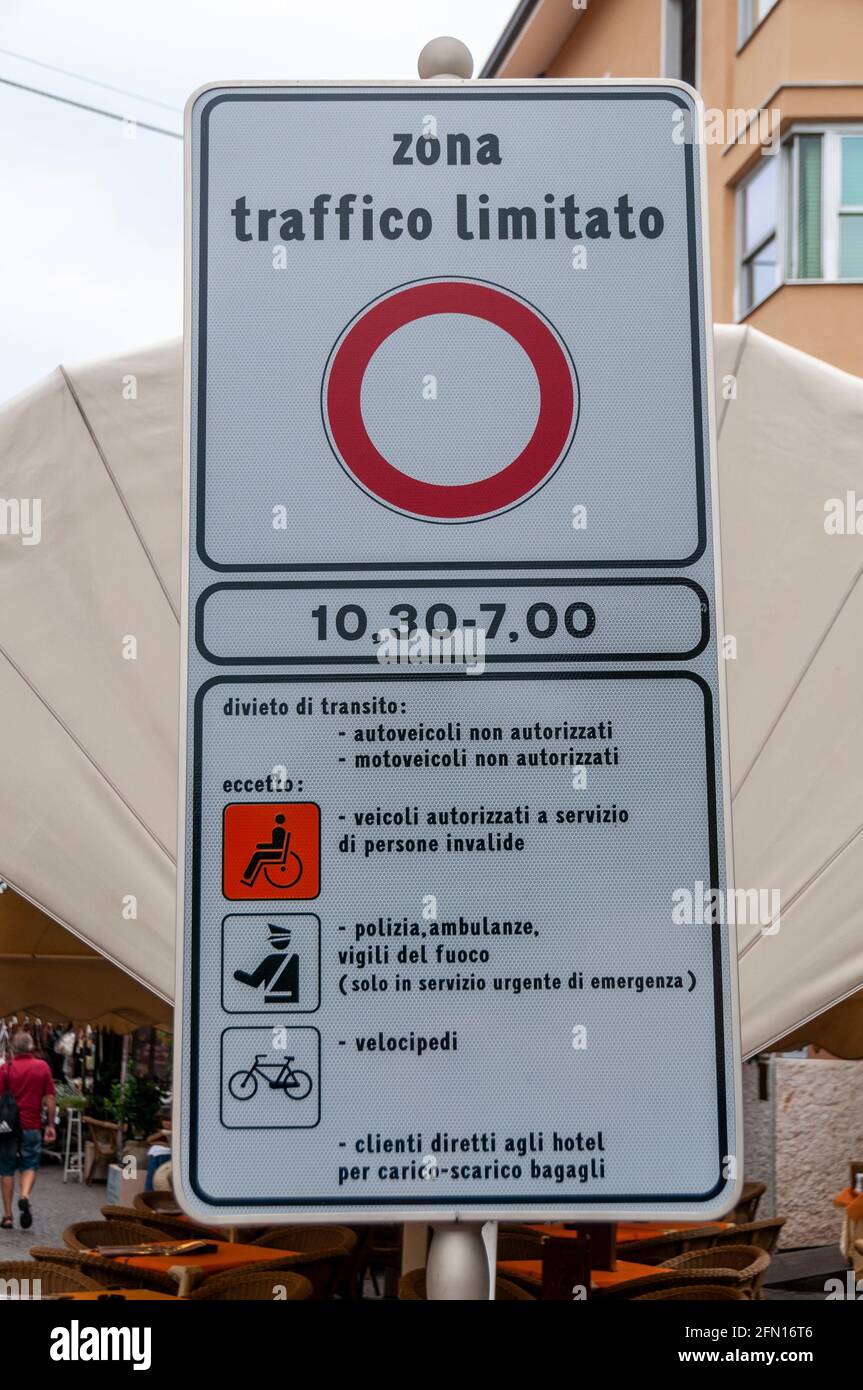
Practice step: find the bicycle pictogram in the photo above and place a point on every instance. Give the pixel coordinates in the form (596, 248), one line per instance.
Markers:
(293, 1082)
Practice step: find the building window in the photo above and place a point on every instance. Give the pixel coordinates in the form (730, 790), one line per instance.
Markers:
(850, 207)
(800, 214)
(680, 57)
(825, 201)
(759, 235)
(750, 13)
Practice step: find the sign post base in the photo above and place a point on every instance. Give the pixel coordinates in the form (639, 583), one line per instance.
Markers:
(458, 1266)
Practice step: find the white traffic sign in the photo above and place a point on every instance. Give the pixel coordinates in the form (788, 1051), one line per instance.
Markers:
(454, 798)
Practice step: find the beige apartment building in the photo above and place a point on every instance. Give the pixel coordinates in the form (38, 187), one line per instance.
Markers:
(782, 84)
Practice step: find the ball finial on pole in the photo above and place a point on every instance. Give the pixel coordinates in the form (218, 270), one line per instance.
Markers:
(445, 57)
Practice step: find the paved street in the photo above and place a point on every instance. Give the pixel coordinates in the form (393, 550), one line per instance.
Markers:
(55, 1206)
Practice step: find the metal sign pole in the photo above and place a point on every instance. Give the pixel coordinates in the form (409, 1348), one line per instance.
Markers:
(457, 1265)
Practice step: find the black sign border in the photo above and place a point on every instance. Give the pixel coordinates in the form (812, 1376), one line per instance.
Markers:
(452, 1200)
(491, 582)
(442, 94)
(264, 1028)
(272, 1010)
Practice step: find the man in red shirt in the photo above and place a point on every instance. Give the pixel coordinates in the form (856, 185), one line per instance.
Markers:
(30, 1082)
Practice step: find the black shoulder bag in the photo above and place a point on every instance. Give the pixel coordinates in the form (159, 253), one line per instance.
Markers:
(10, 1119)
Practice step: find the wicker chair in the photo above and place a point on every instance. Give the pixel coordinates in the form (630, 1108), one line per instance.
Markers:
(699, 1293)
(159, 1225)
(114, 1213)
(163, 1208)
(271, 1286)
(628, 1289)
(747, 1208)
(86, 1235)
(747, 1262)
(155, 1204)
(108, 1274)
(321, 1253)
(52, 1278)
(413, 1286)
(105, 1139)
(762, 1234)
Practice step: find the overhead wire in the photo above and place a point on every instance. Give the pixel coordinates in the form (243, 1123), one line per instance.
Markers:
(94, 110)
(93, 81)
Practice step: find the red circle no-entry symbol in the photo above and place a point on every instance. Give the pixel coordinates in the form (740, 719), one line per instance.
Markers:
(544, 451)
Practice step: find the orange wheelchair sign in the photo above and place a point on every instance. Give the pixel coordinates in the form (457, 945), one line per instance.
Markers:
(271, 850)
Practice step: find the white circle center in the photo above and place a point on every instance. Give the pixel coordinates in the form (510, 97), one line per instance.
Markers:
(450, 399)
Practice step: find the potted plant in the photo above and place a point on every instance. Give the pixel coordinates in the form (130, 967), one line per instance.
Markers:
(136, 1106)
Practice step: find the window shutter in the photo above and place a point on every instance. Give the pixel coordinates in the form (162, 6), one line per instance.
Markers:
(809, 207)
(851, 223)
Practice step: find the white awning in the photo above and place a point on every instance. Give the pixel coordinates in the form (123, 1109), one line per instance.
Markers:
(88, 738)
(789, 442)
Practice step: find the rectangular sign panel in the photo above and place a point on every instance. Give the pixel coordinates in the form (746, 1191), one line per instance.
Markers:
(454, 832)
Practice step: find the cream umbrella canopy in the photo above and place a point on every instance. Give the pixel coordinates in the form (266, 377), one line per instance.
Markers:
(790, 434)
(89, 655)
(89, 661)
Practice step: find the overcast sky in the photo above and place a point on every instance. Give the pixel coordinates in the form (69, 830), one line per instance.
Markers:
(91, 237)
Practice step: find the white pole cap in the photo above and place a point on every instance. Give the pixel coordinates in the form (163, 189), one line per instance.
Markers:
(445, 57)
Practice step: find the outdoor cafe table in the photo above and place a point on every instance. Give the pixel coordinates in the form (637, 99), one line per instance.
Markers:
(850, 1203)
(606, 1236)
(226, 1256)
(639, 1230)
(644, 1230)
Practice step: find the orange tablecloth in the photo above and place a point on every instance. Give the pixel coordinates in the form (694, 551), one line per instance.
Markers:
(626, 1269)
(644, 1230)
(640, 1230)
(225, 1256)
(530, 1272)
(852, 1202)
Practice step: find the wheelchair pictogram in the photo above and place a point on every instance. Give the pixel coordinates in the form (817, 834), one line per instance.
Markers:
(271, 851)
(282, 867)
